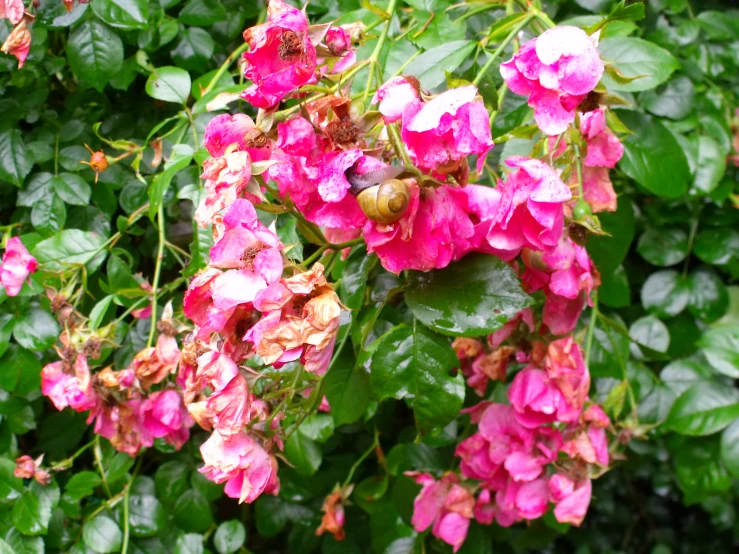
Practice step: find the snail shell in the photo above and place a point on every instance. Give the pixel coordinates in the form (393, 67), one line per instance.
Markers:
(386, 202)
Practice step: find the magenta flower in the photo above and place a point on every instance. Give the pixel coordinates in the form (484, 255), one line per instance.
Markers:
(439, 134)
(556, 71)
(434, 230)
(604, 149)
(71, 387)
(297, 137)
(531, 209)
(17, 265)
(281, 57)
(444, 504)
(246, 467)
(164, 416)
(395, 96)
(339, 42)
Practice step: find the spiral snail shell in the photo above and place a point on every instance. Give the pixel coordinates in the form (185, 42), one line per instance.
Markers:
(382, 197)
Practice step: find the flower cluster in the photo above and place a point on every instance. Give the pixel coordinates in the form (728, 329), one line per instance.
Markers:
(131, 407)
(541, 449)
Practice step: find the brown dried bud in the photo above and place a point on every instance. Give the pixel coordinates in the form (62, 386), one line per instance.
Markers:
(342, 131)
(166, 328)
(255, 138)
(91, 349)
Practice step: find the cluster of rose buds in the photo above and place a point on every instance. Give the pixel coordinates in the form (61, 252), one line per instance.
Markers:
(541, 449)
(124, 405)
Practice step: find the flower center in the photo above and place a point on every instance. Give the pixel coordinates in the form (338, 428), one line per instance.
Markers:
(255, 139)
(342, 131)
(250, 254)
(290, 45)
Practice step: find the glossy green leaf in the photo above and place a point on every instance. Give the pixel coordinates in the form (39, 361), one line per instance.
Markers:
(170, 84)
(172, 480)
(146, 515)
(15, 159)
(430, 67)
(665, 293)
(347, 391)
(354, 279)
(192, 512)
(705, 408)
(229, 537)
(70, 247)
(607, 252)
(95, 53)
(730, 448)
(680, 375)
(650, 332)
(202, 12)
(674, 100)
(49, 214)
(122, 14)
(717, 246)
(36, 329)
(191, 543)
(472, 297)
(180, 159)
(711, 165)
(663, 247)
(102, 534)
(412, 362)
(709, 298)
(721, 348)
(635, 57)
(305, 454)
(72, 188)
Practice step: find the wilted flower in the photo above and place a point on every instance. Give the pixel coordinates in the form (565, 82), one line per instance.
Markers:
(17, 265)
(556, 70)
(18, 42)
(236, 133)
(603, 148)
(69, 387)
(571, 499)
(154, 364)
(333, 518)
(28, 468)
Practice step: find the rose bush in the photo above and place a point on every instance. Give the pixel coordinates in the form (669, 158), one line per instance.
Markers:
(390, 277)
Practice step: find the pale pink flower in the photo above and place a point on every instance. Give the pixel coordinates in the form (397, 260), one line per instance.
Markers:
(439, 134)
(604, 149)
(227, 178)
(445, 504)
(246, 467)
(71, 388)
(164, 416)
(122, 425)
(236, 133)
(12, 10)
(572, 500)
(28, 468)
(531, 209)
(395, 96)
(18, 43)
(556, 70)
(434, 231)
(281, 56)
(228, 407)
(17, 265)
(598, 189)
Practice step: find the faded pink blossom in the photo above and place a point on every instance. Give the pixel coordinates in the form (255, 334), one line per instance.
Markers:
(12, 10)
(17, 265)
(572, 501)
(236, 133)
(28, 468)
(531, 209)
(164, 416)
(228, 407)
(598, 189)
(434, 231)
(497, 338)
(604, 149)
(439, 134)
(445, 504)
(246, 467)
(18, 43)
(556, 70)
(395, 96)
(72, 387)
(226, 179)
(281, 57)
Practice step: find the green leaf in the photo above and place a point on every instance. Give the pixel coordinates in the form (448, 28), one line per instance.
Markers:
(95, 53)
(304, 454)
(192, 512)
(6, 330)
(721, 348)
(191, 543)
(72, 188)
(70, 247)
(146, 515)
(607, 252)
(5, 548)
(32, 512)
(15, 159)
(194, 50)
(36, 329)
(655, 407)
(229, 537)
(354, 279)
(412, 362)
(430, 67)
(709, 298)
(635, 57)
(11, 487)
(122, 14)
(719, 25)
(705, 408)
(317, 427)
(179, 160)
(680, 375)
(730, 448)
(663, 247)
(717, 246)
(82, 484)
(699, 470)
(49, 214)
(674, 100)
(172, 480)
(102, 534)
(652, 156)
(37, 188)
(169, 84)
(472, 297)
(98, 311)
(347, 391)
(650, 332)
(665, 293)
(202, 12)
(711, 165)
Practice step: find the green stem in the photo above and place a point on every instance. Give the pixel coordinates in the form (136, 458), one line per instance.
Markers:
(691, 237)
(375, 57)
(392, 131)
(578, 166)
(99, 464)
(370, 450)
(157, 273)
(498, 51)
(328, 246)
(591, 327)
(67, 462)
(224, 67)
(126, 507)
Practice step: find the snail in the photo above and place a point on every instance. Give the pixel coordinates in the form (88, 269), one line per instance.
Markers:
(381, 195)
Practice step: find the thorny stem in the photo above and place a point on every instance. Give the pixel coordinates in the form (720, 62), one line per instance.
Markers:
(157, 273)
(517, 29)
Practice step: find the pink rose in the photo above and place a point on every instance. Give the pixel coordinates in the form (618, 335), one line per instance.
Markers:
(395, 96)
(164, 416)
(12, 10)
(238, 132)
(339, 43)
(439, 134)
(72, 387)
(572, 500)
(556, 70)
(281, 57)
(604, 149)
(17, 265)
(246, 467)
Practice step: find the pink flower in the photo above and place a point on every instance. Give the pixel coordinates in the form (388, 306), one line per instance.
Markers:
(598, 189)
(572, 500)
(12, 10)
(440, 133)
(604, 149)
(434, 230)
(395, 96)
(446, 505)
(17, 265)
(69, 387)
(281, 57)
(226, 179)
(228, 407)
(164, 416)
(28, 468)
(339, 43)
(247, 468)
(18, 43)
(297, 137)
(238, 132)
(122, 425)
(531, 209)
(556, 70)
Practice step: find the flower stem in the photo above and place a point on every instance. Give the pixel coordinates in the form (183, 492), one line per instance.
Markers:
(591, 327)
(99, 463)
(157, 273)
(224, 67)
(126, 507)
(498, 51)
(375, 57)
(370, 450)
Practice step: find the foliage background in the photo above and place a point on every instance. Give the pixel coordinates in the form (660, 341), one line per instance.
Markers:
(667, 333)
